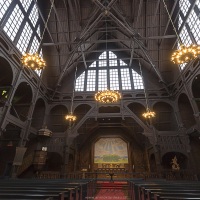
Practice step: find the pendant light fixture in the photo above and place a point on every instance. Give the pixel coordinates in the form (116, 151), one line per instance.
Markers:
(185, 53)
(148, 114)
(34, 61)
(71, 117)
(107, 96)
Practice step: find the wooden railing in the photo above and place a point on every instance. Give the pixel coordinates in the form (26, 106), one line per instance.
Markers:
(48, 175)
(168, 175)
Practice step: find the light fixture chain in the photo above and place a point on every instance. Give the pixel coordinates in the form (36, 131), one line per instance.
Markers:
(174, 28)
(73, 92)
(45, 25)
(145, 94)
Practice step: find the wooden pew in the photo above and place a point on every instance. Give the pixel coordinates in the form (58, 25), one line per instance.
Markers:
(33, 196)
(59, 189)
(151, 194)
(66, 193)
(145, 190)
(88, 185)
(176, 195)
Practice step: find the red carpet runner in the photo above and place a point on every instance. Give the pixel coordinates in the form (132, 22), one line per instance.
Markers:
(111, 190)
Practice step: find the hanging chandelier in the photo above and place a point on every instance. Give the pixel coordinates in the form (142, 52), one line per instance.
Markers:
(70, 117)
(107, 96)
(149, 114)
(185, 53)
(33, 61)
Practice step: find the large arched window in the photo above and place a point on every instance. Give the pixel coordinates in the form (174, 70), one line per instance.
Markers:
(108, 72)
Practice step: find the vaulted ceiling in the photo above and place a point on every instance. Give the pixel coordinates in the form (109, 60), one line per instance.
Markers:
(78, 31)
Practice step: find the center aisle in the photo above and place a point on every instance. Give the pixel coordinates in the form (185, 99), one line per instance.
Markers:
(112, 190)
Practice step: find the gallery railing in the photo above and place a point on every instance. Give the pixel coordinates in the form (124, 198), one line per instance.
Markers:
(166, 174)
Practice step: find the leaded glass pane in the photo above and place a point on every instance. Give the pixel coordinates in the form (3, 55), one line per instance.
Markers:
(137, 80)
(34, 15)
(91, 80)
(122, 63)
(4, 4)
(125, 77)
(102, 80)
(12, 25)
(80, 82)
(24, 39)
(93, 65)
(26, 4)
(184, 6)
(114, 79)
(34, 45)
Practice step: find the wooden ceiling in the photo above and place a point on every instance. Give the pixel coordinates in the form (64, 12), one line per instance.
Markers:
(135, 30)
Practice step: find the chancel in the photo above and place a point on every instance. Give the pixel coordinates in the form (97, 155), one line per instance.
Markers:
(99, 99)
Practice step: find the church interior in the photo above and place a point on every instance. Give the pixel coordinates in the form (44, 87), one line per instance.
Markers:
(99, 89)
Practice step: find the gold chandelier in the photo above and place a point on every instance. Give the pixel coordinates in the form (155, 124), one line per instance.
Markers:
(70, 117)
(33, 61)
(149, 114)
(185, 54)
(107, 96)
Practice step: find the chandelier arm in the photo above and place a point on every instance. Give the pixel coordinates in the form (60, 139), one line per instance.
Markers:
(170, 18)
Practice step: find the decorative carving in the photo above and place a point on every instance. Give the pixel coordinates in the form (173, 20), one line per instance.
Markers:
(174, 142)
